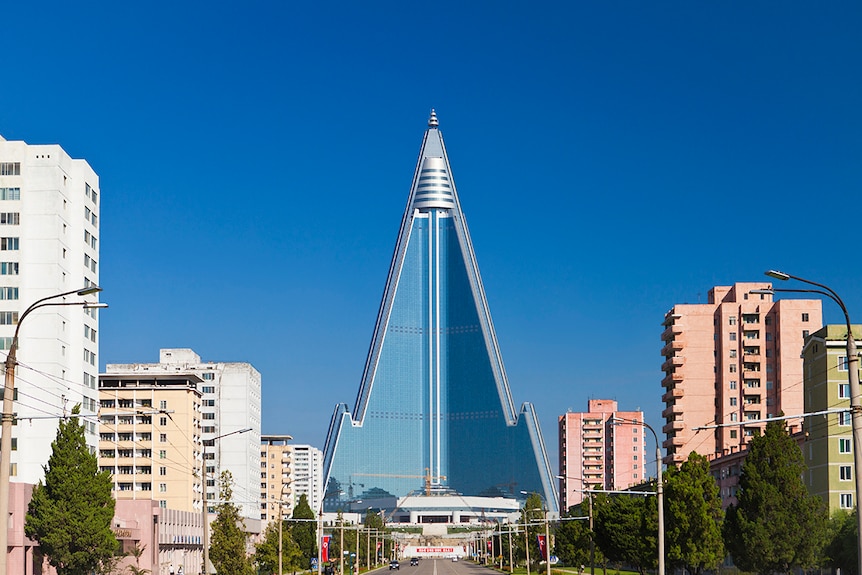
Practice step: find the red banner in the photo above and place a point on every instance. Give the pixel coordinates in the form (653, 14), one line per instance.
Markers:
(379, 543)
(324, 549)
(543, 549)
(490, 548)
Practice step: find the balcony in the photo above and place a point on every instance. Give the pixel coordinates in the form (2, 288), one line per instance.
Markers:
(676, 392)
(671, 379)
(671, 411)
(673, 363)
(671, 332)
(671, 347)
(673, 426)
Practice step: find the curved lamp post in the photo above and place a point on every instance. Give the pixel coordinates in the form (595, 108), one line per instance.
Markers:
(204, 502)
(547, 535)
(8, 414)
(853, 380)
(659, 487)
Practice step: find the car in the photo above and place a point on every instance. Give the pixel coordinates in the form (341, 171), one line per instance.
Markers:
(394, 565)
(454, 558)
(414, 561)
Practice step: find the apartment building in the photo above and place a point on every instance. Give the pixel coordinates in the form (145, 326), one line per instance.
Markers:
(276, 477)
(828, 447)
(150, 436)
(308, 474)
(227, 397)
(599, 451)
(49, 245)
(733, 360)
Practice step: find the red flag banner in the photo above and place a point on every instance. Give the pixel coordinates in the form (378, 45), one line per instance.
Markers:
(543, 548)
(490, 549)
(324, 549)
(379, 543)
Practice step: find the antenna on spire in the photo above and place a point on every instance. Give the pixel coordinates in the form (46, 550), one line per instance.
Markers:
(432, 121)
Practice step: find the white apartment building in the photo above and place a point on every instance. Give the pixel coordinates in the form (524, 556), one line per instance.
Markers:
(49, 244)
(307, 474)
(230, 395)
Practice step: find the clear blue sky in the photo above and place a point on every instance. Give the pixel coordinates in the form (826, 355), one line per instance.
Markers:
(612, 158)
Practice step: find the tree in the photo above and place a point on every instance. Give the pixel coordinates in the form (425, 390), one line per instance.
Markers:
(626, 529)
(227, 545)
(304, 533)
(841, 550)
(573, 538)
(266, 552)
(776, 525)
(70, 513)
(693, 517)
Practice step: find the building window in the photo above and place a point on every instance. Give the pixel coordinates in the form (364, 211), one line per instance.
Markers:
(843, 390)
(804, 333)
(732, 368)
(163, 470)
(163, 504)
(163, 487)
(10, 193)
(844, 419)
(846, 501)
(163, 437)
(845, 473)
(163, 404)
(842, 363)
(732, 401)
(733, 434)
(163, 421)
(8, 317)
(733, 384)
(733, 336)
(9, 268)
(804, 317)
(8, 293)
(731, 320)
(10, 218)
(10, 168)
(635, 448)
(208, 376)
(163, 454)
(209, 415)
(732, 354)
(9, 244)
(844, 445)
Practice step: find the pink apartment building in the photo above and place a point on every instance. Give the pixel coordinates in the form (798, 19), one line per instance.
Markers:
(733, 360)
(596, 454)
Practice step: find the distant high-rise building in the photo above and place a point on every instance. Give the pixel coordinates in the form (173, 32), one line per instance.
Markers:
(307, 474)
(733, 360)
(276, 477)
(230, 400)
(828, 445)
(434, 411)
(596, 453)
(49, 244)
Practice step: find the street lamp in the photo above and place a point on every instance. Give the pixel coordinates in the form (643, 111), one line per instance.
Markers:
(204, 504)
(659, 488)
(8, 415)
(853, 380)
(589, 493)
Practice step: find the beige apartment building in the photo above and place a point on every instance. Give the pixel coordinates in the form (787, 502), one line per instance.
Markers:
(275, 478)
(596, 453)
(149, 437)
(733, 360)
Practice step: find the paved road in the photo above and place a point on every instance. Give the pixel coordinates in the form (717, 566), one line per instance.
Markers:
(441, 567)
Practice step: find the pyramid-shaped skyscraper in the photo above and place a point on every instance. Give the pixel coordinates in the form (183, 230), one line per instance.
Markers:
(434, 410)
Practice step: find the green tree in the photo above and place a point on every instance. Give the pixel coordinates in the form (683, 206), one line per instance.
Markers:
(776, 525)
(70, 513)
(626, 529)
(266, 552)
(841, 550)
(228, 541)
(573, 538)
(693, 517)
(304, 533)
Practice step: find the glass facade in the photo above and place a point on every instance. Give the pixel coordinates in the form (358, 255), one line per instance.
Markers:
(434, 412)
